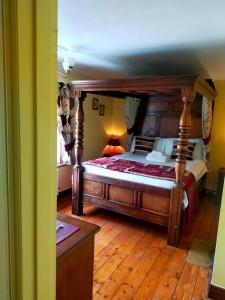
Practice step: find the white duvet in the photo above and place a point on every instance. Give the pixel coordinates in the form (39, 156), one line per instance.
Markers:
(197, 167)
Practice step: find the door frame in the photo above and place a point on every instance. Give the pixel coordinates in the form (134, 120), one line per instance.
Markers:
(28, 148)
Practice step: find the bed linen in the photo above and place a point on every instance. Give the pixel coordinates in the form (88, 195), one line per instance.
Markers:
(197, 167)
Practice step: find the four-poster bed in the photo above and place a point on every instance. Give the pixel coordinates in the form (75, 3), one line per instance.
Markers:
(162, 98)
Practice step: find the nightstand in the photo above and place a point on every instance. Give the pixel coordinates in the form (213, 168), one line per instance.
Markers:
(74, 264)
(220, 185)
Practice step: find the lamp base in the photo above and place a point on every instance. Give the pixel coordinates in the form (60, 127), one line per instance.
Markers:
(109, 155)
(112, 150)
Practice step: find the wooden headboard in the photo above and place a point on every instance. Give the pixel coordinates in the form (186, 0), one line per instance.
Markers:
(160, 116)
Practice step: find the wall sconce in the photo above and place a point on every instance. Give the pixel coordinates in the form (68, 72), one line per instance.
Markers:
(67, 66)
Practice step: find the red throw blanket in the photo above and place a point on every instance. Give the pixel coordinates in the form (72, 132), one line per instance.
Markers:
(154, 171)
(133, 167)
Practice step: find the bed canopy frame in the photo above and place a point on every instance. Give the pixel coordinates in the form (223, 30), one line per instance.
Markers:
(185, 88)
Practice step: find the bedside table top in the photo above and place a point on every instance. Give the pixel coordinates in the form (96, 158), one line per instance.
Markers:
(86, 229)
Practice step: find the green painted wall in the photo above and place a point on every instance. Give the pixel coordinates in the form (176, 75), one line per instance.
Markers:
(4, 228)
(218, 161)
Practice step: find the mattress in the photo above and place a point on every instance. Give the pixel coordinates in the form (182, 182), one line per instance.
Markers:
(197, 167)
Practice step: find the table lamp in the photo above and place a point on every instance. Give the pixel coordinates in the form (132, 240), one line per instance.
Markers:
(113, 147)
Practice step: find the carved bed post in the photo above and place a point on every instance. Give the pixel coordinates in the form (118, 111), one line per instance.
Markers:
(184, 133)
(180, 166)
(77, 204)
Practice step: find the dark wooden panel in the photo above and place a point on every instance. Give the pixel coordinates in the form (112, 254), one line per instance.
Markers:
(196, 107)
(158, 106)
(128, 184)
(196, 128)
(169, 85)
(160, 116)
(70, 281)
(93, 188)
(176, 205)
(148, 126)
(150, 216)
(155, 202)
(126, 198)
(178, 106)
(169, 127)
(121, 195)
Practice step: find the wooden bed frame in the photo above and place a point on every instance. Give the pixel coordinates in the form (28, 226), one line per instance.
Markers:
(154, 204)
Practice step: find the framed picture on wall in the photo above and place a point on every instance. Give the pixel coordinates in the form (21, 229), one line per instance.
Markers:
(101, 110)
(95, 103)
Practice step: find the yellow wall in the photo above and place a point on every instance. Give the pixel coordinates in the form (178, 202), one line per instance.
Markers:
(30, 93)
(218, 277)
(96, 128)
(118, 122)
(4, 210)
(218, 160)
(218, 136)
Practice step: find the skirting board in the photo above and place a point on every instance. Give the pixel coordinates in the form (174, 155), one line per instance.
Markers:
(64, 193)
(216, 293)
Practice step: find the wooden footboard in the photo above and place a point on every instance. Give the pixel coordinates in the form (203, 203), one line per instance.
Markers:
(153, 204)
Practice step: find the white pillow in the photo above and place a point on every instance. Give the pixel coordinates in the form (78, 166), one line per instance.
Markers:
(157, 156)
(159, 145)
(165, 145)
(198, 151)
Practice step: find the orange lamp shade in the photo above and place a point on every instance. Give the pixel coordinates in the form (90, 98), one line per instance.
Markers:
(113, 147)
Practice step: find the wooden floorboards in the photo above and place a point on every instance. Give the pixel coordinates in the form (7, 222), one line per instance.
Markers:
(133, 261)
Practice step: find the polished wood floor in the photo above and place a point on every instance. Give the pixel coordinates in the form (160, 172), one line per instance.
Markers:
(132, 260)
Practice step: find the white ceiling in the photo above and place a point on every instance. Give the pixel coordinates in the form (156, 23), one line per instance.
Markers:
(118, 38)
